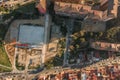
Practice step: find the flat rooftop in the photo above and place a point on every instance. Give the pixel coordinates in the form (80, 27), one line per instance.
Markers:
(31, 34)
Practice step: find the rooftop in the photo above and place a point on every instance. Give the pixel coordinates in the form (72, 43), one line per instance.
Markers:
(97, 10)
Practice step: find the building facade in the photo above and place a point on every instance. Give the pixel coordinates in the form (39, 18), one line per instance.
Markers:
(94, 15)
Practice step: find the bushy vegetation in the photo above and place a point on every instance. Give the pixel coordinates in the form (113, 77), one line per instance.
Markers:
(2, 9)
(3, 30)
(58, 59)
(5, 70)
(21, 12)
(18, 66)
(113, 34)
(4, 60)
(30, 7)
(80, 40)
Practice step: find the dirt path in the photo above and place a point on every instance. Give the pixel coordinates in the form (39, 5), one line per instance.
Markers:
(5, 66)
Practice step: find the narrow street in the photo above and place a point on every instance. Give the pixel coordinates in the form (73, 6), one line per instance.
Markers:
(69, 24)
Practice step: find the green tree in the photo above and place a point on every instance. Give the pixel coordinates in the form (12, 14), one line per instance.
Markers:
(112, 34)
(2, 9)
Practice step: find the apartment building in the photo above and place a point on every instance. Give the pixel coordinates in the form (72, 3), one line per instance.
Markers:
(95, 15)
